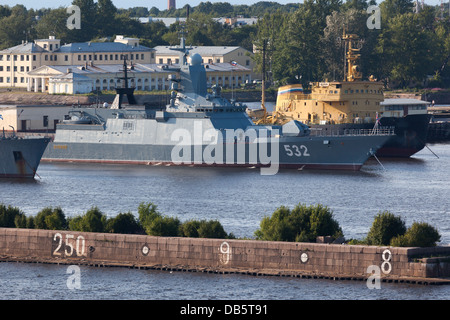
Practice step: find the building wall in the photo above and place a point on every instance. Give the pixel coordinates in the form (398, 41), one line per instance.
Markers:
(31, 118)
(15, 65)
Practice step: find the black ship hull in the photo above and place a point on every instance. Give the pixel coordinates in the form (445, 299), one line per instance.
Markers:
(410, 133)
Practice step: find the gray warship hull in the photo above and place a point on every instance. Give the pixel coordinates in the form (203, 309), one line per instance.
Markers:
(20, 158)
(153, 142)
(200, 128)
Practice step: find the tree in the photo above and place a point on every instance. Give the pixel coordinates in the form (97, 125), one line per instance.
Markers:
(385, 227)
(420, 234)
(50, 219)
(407, 50)
(88, 31)
(15, 27)
(105, 18)
(8, 216)
(301, 224)
(124, 223)
(92, 221)
(54, 23)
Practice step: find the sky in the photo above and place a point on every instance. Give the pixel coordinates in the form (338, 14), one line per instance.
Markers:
(160, 4)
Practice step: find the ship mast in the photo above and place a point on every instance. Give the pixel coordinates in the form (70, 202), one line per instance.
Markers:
(352, 58)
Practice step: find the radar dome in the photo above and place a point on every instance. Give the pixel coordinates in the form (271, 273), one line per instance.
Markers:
(196, 59)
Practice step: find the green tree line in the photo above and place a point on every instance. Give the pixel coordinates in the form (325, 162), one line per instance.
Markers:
(149, 221)
(301, 224)
(303, 41)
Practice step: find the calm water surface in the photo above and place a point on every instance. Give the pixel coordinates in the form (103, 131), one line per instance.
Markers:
(416, 189)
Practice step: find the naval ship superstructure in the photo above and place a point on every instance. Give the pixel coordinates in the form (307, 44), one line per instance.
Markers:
(200, 128)
(354, 104)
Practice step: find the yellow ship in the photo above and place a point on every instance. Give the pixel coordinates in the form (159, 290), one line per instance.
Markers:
(336, 102)
(353, 104)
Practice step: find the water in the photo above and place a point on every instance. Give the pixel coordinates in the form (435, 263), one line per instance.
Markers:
(416, 189)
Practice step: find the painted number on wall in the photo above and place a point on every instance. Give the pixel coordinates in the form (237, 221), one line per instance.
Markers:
(68, 246)
(297, 151)
(225, 253)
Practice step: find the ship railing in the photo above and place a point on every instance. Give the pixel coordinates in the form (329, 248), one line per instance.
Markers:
(387, 131)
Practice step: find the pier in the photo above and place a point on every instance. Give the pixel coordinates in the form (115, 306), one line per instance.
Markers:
(426, 266)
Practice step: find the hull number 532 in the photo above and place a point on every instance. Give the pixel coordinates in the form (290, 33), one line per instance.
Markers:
(297, 151)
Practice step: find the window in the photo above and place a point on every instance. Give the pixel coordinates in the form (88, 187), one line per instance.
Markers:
(142, 56)
(84, 57)
(116, 57)
(51, 47)
(22, 69)
(66, 57)
(45, 121)
(34, 57)
(28, 58)
(79, 57)
(100, 57)
(1, 68)
(22, 57)
(8, 68)
(160, 61)
(15, 57)
(22, 80)
(1, 57)
(46, 57)
(95, 57)
(1, 79)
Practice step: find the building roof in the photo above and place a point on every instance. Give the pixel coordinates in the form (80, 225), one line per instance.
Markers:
(101, 47)
(71, 76)
(201, 50)
(26, 47)
(98, 69)
(31, 47)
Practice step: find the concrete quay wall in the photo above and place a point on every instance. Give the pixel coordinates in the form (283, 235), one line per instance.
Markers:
(226, 256)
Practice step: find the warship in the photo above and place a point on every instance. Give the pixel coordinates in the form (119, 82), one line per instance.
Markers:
(20, 157)
(354, 104)
(200, 128)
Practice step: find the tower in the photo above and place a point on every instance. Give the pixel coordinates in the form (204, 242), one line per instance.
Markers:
(171, 4)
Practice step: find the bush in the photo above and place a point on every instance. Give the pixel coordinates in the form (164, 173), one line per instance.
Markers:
(385, 227)
(302, 224)
(147, 212)
(8, 216)
(124, 223)
(203, 229)
(163, 226)
(418, 235)
(92, 221)
(50, 219)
